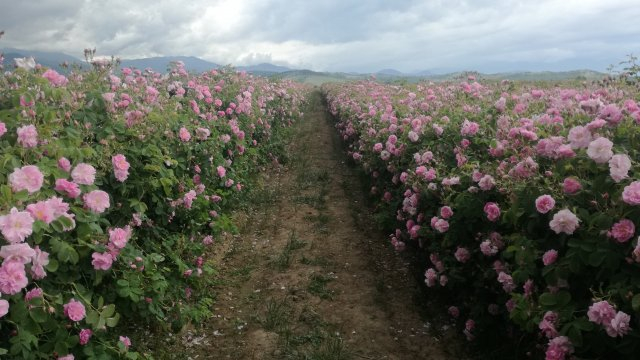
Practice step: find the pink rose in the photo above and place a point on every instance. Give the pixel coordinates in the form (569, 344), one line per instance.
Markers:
(13, 277)
(564, 221)
(619, 325)
(631, 193)
(601, 312)
(486, 182)
(96, 201)
(83, 174)
(119, 236)
(125, 341)
(600, 150)
(184, 134)
(469, 128)
(85, 336)
(27, 136)
(580, 137)
(4, 307)
(559, 348)
(623, 230)
(39, 261)
(21, 252)
(120, 167)
(64, 164)
(221, 171)
(101, 261)
(545, 203)
(492, 210)
(619, 166)
(27, 178)
(68, 188)
(462, 255)
(41, 211)
(571, 186)
(74, 310)
(16, 226)
(446, 212)
(549, 257)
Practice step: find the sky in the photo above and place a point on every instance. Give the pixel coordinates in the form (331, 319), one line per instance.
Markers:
(338, 35)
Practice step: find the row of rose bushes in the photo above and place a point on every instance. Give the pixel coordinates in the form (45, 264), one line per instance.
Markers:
(521, 198)
(112, 185)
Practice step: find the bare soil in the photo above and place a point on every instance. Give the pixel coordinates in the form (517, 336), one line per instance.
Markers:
(309, 276)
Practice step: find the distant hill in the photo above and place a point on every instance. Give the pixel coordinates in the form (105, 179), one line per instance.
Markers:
(49, 59)
(161, 64)
(194, 64)
(264, 68)
(392, 72)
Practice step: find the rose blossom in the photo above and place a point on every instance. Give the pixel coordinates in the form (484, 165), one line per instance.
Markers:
(600, 150)
(571, 186)
(564, 221)
(64, 164)
(492, 210)
(39, 260)
(74, 310)
(579, 137)
(631, 193)
(119, 236)
(27, 136)
(120, 167)
(101, 261)
(462, 255)
(549, 257)
(184, 134)
(486, 183)
(83, 174)
(20, 252)
(27, 178)
(96, 201)
(85, 336)
(13, 277)
(619, 325)
(601, 312)
(67, 187)
(446, 212)
(623, 230)
(545, 203)
(559, 348)
(619, 166)
(16, 226)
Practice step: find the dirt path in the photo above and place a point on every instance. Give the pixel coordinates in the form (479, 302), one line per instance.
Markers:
(308, 277)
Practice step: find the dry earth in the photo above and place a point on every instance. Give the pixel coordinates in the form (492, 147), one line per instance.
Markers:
(308, 276)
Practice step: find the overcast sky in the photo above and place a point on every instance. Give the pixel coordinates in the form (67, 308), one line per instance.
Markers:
(338, 35)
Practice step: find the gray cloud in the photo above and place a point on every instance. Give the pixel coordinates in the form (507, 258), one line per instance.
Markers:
(339, 35)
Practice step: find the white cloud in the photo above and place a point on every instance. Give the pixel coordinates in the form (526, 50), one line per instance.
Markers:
(346, 35)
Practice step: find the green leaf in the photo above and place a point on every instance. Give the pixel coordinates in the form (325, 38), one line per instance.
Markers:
(5, 190)
(92, 317)
(52, 266)
(547, 299)
(156, 258)
(635, 303)
(108, 311)
(39, 315)
(113, 321)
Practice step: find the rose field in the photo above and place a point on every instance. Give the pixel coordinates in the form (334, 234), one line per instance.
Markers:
(113, 185)
(517, 203)
(521, 199)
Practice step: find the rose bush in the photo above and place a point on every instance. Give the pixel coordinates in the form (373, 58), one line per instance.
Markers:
(110, 193)
(538, 183)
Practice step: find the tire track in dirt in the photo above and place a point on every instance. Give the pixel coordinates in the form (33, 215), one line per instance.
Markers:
(309, 277)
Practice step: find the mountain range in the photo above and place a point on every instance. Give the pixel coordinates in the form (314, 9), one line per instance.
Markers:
(161, 64)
